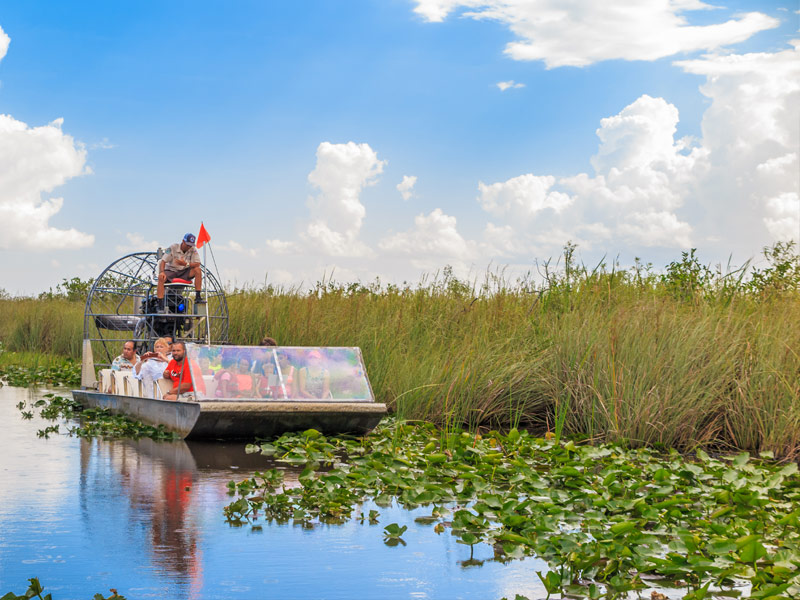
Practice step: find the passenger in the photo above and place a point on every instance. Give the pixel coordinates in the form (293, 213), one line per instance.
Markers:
(205, 365)
(151, 367)
(267, 380)
(264, 367)
(244, 379)
(314, 380)
(288, 378)
(128, 358)
(181, 261)
(179, 371)
(227, 386)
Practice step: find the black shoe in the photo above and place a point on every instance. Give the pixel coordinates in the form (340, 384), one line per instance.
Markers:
(198, 299)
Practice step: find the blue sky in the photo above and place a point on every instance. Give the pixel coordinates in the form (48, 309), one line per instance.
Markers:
(286, 128)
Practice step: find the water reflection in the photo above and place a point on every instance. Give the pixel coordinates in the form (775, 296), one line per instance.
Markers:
(156, 481)
(146, 518)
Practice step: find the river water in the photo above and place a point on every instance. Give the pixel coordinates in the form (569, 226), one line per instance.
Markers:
(146, 518)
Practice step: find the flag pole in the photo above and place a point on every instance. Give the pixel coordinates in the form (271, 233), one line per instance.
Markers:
(205, 284)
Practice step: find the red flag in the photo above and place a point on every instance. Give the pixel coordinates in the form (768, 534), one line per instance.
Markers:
(203, 236)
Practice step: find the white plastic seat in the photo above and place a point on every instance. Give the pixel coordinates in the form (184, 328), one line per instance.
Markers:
(118, 387)
(164, 386)
(105, 381)
(133, 385)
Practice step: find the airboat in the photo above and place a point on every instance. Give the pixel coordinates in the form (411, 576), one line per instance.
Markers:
(238, 391)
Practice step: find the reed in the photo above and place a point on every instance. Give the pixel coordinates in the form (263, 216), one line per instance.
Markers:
(685, 359)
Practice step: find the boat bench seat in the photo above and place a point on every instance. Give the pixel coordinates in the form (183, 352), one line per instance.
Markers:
(104, 383)
(119, 382)
(164, 386)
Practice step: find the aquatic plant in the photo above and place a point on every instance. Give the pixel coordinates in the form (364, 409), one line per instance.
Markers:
(607, 519)
(35, 590)
(93, 422)
(66, 372)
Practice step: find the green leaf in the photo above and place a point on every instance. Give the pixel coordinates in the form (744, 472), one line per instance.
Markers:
(750, 549)
(623, 528)
(741, 459)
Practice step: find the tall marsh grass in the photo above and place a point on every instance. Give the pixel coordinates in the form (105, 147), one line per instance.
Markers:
(683, 359)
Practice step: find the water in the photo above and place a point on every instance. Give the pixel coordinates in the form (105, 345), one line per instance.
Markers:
(146, 519)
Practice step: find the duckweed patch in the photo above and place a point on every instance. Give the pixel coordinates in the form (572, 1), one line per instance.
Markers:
(93, 422)
(608, 520)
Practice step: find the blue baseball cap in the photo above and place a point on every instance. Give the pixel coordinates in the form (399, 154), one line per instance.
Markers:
(189, 238)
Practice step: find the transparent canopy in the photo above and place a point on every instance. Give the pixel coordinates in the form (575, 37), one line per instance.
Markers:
(278, 373)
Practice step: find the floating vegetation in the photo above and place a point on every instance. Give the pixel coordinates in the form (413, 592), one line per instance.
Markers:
(94, 422)
(35, 590)
(67, 373)
(607, 519)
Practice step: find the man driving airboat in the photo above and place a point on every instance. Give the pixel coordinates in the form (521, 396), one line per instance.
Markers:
(181, 261)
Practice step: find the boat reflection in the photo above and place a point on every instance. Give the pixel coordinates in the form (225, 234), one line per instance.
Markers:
(161, 492)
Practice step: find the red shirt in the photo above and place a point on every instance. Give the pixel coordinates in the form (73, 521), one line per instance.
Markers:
(174, 372)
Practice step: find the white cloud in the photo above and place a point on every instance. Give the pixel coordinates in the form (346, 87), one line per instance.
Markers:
(4, 42)
(341, 173)
(783, 216)
(659, 228)
(779, 165)
(281, 246)
(737, 187)
(434, 237)
(641, 177)
(34, 161)
(103, 144)
(583, 32)
(137, 243)
(406, 187)
(503, 240)
(751, 132)
(509, 85)
(522, 197)
(236, 247)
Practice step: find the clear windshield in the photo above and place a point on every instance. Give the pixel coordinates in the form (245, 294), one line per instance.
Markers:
(279, 373)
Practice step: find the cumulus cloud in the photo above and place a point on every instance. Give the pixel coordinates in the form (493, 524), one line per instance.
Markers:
(509, 85)
(33, 162)
(234, 246)
(783, 216)
(433, 240)
(406, 187)
(522, 197)
(737, 186)
(583, 32)
(4, 42)
(341, 173)
(281, 246)
(640, 175)
(137, 243)
(751, 132)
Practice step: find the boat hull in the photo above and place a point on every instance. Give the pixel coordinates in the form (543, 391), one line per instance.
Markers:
(241, 419)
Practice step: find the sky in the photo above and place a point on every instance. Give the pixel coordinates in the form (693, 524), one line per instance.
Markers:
(357, 139)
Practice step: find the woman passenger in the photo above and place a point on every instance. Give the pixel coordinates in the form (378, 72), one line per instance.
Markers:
(150, 367)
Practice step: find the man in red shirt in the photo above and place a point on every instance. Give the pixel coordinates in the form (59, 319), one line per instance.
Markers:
(179, 372)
